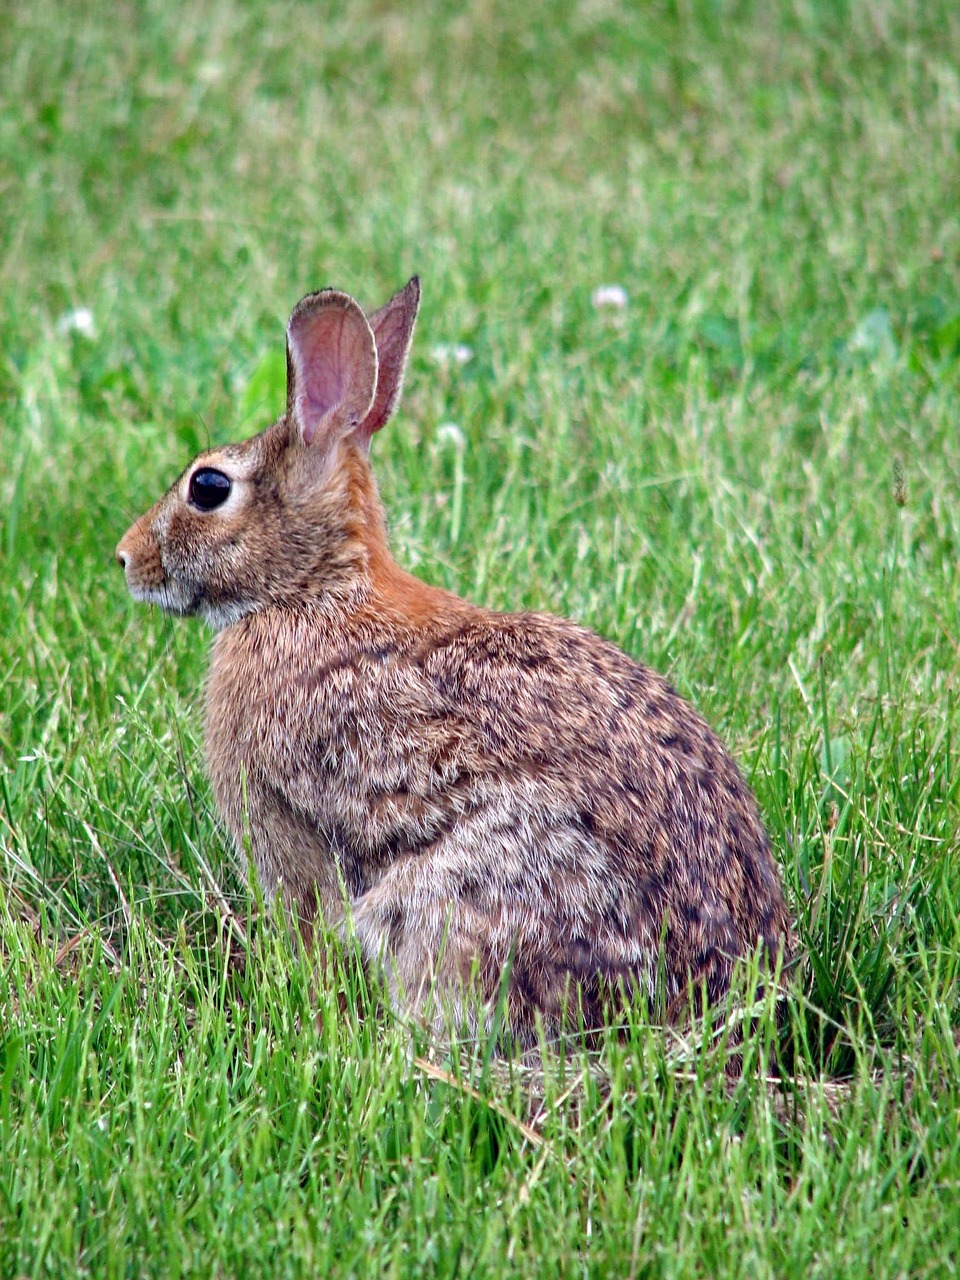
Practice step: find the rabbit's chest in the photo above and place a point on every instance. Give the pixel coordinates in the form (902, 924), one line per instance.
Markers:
(360, 744)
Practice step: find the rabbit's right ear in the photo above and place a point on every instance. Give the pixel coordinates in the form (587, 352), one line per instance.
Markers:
(331, 367)
(392, 327)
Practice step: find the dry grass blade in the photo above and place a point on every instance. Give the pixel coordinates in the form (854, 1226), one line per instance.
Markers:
(445, 1077)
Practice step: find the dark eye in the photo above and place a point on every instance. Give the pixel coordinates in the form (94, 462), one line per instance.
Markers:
(209, 488)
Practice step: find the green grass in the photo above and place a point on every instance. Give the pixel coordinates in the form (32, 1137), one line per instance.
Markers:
(749, 477)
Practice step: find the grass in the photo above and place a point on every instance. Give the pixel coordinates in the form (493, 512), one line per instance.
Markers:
(747, 477)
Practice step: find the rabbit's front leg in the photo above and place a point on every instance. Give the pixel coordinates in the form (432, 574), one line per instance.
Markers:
(295, 862)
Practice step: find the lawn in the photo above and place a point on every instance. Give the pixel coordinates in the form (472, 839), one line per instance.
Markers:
(741, 463)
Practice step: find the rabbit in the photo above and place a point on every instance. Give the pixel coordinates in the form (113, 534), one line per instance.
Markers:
(495, 805)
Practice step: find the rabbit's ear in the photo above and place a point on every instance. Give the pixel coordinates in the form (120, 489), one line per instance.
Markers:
(331, 367)
(392, 328)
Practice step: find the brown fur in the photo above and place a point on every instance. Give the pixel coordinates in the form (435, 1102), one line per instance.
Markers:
(483, 798)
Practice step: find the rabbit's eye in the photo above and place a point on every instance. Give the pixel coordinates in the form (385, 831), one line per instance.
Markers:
(209, 488)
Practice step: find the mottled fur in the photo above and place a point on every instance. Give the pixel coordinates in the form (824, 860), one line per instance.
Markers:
(480, 794)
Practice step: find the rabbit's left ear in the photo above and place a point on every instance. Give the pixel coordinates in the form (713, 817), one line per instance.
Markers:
(331, 367)
(392, 329)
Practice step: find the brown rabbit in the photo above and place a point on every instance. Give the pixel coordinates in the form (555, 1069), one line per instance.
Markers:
(502, 802)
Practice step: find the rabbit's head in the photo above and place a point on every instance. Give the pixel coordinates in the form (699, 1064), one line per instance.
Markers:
(292, 513)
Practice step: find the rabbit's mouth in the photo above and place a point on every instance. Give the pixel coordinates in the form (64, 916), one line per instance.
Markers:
(176, 599)
(169, 599)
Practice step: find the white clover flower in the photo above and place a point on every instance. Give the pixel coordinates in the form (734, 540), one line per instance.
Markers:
(450, 433)
(451, 353)
(78, 321)
(613, 296)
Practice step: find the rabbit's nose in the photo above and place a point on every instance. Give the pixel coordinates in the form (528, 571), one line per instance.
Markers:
(122, 557)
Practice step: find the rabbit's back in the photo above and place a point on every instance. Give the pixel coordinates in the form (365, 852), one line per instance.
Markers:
(491, 790)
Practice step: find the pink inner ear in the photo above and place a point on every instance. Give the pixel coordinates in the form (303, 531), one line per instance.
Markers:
(331, 367)
(320, 369)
